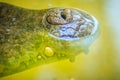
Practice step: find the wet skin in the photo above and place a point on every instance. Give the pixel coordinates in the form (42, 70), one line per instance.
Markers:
(29, 38)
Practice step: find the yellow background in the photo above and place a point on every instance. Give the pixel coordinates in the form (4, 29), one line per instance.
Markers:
(102, 61)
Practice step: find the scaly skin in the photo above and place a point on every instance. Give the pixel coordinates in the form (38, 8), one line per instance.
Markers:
(29, 38)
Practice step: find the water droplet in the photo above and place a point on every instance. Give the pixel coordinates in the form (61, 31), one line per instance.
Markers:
(48, 51)
(39, 57)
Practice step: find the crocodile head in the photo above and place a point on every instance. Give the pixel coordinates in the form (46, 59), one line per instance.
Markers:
(69, 24)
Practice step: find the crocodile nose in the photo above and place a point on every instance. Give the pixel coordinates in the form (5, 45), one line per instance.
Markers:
(59, 16)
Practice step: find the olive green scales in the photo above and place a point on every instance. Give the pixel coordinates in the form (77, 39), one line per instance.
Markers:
(29, 38)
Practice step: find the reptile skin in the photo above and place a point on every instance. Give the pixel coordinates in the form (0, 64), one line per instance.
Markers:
(29, 38)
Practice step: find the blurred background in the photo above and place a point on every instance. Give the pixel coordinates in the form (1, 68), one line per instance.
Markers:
(103, 60)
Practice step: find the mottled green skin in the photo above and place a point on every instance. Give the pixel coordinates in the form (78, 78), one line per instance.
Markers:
(23, 39)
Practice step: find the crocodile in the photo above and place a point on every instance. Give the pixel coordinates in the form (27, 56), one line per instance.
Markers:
(29, 38)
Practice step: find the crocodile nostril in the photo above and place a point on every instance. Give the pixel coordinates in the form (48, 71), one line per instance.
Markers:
(63, 16)
(66, 14)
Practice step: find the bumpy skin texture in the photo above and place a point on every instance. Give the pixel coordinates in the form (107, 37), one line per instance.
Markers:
(32, 37)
